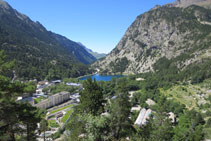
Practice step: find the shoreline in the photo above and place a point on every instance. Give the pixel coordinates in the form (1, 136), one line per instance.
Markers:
(86, 75)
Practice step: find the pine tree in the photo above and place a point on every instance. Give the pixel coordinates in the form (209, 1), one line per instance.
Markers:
(121, 125)
(91, 100)
(43, 127)
(15, 118)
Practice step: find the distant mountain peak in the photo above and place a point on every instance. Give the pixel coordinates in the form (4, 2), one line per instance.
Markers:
(95, 54)
(5, 7)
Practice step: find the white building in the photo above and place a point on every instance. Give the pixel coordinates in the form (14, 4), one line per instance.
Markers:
(143, 116)
(54, 100)
(73, 84)
(140, 117)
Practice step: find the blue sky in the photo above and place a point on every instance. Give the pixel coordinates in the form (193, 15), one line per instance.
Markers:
(98, 24)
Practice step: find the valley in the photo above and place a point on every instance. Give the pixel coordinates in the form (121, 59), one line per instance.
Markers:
(154, 85)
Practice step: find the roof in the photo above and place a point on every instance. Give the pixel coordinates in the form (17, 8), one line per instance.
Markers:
(72, 84)
(140, 117)
(138, 108)
(150, 102)
(57, 81)
(27, 99)
(143, 116)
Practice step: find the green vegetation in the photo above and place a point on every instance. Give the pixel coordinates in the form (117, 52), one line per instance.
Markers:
(60, 109)
(40, 54)
(163, 88)
(91, 98)
(14, 113)
(37, 100)
(67, 115)
(73, 80)
(53, 124)
(60, 88)
(52, 117)
(120, 65)
(43, 126)
(190, 95)
(104, 110)
(120, 123)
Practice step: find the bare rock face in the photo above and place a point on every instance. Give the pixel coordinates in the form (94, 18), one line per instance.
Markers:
(164, 31)
(186, 3)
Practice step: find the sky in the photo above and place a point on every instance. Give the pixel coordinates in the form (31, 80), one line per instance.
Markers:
(98, 24)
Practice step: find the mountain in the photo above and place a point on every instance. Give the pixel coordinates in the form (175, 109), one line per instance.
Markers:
(75, 48)
(180, 35)
(95, 54)
(186, 3)
(39, 53)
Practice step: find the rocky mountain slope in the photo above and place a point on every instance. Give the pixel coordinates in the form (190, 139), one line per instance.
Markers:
(180, 34)
(39, 53)
(186, 3)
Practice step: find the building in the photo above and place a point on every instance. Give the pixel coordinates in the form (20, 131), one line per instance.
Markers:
(150, 102)
(143, 116)
(42, 83)
(73, 84)
(146, 116)
(53, 100)
(140, 117)
(137, 108)
(26, 99)
(56, 81)
(172, 117)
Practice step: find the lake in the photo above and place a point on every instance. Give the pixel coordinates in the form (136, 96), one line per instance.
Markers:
(98, 77)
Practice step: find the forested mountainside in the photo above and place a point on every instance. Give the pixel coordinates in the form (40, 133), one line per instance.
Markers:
(180, 36)
(39, 53)
(75, 48)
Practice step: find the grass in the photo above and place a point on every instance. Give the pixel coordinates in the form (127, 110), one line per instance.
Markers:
(53, 123)
(67, 115)
(51, 117)
(187, 95)
(60, 109)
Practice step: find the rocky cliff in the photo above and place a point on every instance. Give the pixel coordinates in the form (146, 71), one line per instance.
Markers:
(180, 34)
(186, 3)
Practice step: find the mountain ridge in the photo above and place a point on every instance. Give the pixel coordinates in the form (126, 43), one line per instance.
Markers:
(76, 49)
(95, 54)
(172, 32)
(37, 53)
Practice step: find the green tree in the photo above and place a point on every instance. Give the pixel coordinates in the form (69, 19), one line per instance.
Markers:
(162, 129)
(5, 67)
(43, 127)
(91, 100)
(97, 127)
(29, 117)
(189, 127)
(30, 88)
(76, 125)
(15, 118)
(120, 125)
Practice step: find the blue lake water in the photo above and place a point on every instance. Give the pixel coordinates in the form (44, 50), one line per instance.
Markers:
(98, 77)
